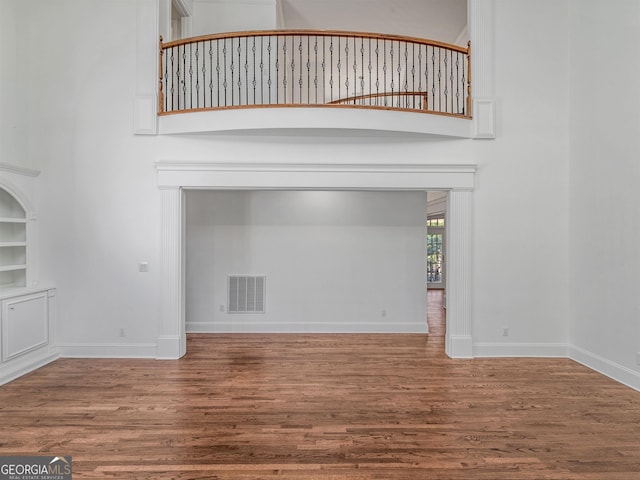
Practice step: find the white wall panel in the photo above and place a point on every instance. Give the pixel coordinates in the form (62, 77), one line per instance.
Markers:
(334, 261)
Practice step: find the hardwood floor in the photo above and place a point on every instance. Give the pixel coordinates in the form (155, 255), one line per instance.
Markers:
(325, 407)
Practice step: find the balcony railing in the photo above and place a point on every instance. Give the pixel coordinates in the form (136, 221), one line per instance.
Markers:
(287, 68)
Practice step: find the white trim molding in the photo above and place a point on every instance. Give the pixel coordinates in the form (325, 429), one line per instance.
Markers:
(107, 350)
(172, 340)
(613, 370)
(527, 350)
(28, 363)
(282, 176)
(459, 342)
(481, 14)
(173, 177)
(145, 103)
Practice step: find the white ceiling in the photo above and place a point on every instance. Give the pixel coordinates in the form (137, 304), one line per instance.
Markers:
(443, 20)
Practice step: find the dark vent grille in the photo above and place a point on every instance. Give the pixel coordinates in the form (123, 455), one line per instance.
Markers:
(247, 293)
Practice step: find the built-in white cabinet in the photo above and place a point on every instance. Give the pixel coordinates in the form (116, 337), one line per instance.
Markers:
(26, 309)
(25, 323)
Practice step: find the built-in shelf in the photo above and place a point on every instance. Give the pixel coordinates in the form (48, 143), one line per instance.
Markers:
(12, 268)
(12, 220)
(13, 242)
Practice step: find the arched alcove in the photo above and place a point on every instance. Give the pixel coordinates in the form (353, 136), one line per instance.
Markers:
(17, 227)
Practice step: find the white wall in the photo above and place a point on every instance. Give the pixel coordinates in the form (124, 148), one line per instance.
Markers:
(521, 201)
(13, 129)
(100, 213)
(334, 261)
(218, 16)
(605, 170)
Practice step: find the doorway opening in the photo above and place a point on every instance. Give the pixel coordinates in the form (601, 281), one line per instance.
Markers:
(436, 246)
(175, 178)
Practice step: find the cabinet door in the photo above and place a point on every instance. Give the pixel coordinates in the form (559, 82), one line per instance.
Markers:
(25, 325)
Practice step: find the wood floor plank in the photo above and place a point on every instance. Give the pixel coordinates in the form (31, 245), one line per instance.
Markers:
(325, 407)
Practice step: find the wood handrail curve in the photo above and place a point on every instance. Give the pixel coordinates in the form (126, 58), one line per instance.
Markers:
(319, 33)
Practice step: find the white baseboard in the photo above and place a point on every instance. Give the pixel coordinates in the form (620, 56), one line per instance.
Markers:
(613, 370)
(255, 327)
(19, 367)
(548, 350)
(107, 350)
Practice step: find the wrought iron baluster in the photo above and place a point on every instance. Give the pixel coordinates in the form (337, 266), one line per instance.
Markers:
(300, 81)
(384, 67)
(166, 80)
(284, 75)
(218, 69)
(413, 73)
(173, 79)
(377, 69)
(391, 54)
(197, 54)
(253, 49)
(262, 69)
(293, 73)
(324, 72)
(184, 76)
(269, 82)
(239, 50)
(355, 68)
(224, 65)
(420, 72)
(233, 70)
(191, 75)
(277, 70)
(246, 69)
(339, 68)
(210, 74)
(369, 67)
(331, 66)
(406, 72)
(315, 73)
(458, 57)
(439, 79)
(445, 92)
(346, 52)
(433, 78)
(309, 69)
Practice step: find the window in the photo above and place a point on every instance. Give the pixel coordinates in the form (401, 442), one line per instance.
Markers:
(435, 251)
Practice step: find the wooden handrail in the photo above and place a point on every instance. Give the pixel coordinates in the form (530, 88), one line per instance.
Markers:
(355, 98)
(319, 33)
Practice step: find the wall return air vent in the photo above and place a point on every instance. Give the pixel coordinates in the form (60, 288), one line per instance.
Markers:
(247, 293)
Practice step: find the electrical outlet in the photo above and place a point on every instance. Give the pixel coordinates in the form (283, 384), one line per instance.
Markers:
(121, 332)
(383, 313)
(505, 331)
(222, 308)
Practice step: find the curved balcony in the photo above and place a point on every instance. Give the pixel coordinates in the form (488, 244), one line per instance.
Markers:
(336, 71)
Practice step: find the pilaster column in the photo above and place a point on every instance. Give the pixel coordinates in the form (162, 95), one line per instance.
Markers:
(172, 338)
(482, 67)
(459, 342)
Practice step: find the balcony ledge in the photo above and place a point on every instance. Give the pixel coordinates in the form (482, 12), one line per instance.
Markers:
(314, 118)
